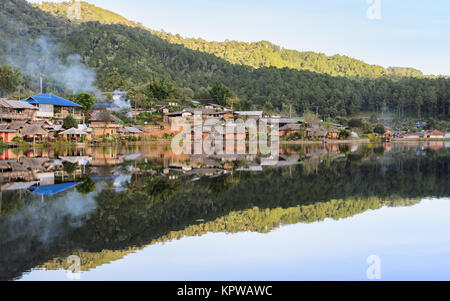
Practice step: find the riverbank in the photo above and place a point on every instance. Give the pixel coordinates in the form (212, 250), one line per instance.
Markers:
(83, 144)
(350, 141)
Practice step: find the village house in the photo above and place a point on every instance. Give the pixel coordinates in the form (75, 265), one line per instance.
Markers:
(333, 133)
(104, 125)
(148, 129)
(16, 110)
(213, 106)
(33, 132)
(189, 115)
(51, 106)
(7, 135)
(234, 133)
(74, 135)
(316, 132)
(250, 114)
(413, 135)
(29, 130)
(130, 131)
(435, 135)
(98, 107)
(290, 128)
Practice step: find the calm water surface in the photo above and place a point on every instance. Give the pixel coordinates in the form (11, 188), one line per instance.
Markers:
(144, 213)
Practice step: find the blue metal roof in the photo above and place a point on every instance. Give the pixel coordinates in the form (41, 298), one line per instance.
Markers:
(50, 99)
(105, 106)
(52, 189)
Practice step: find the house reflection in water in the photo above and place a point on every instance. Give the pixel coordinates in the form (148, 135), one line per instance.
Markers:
(45, 172)
(39, 174)
(52, 189)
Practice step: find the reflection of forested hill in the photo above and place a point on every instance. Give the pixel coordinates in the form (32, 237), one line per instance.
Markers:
(158, 209)
(254, 219)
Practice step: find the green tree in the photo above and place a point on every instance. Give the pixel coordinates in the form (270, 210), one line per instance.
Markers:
(431, 124)
(113, 81)
(70, 122)
(220, 93)
(87, 186)
(344, 133)
(356, 123)
(379, 129)
(69, 168)
(10, 79)
(86, 100)
(268, 107)
(161, 90)
(202, 95)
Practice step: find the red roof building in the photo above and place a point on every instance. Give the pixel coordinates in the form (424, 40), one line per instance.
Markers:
(435, 133)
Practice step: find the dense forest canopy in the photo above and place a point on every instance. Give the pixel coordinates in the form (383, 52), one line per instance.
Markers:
(257, 54)
(140, 57)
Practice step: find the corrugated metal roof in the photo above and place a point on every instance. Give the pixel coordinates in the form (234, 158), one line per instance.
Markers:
(249, 113)
(51, 99)
(133, 130)
(291, 126)
(197, 111)
(16, 104)
(98, 106)
(73, 131)
(18, 185)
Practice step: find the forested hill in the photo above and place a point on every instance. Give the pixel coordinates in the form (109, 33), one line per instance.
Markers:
(134, 56)
(256, 55)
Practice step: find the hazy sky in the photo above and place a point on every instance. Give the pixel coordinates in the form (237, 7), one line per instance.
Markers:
(414, 33)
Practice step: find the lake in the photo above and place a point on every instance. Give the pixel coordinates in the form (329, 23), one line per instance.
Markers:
(323, 212)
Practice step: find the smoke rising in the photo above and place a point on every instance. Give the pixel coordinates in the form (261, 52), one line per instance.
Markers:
(120, 100)
(43, 57)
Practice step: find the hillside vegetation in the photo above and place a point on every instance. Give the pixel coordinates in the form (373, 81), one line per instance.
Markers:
(131, 57)
(138, 55)
(256, 55)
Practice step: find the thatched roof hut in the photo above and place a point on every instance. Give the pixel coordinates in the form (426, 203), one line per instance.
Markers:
(316, 132)
(33, 130)
(73, 131)
(17, 124)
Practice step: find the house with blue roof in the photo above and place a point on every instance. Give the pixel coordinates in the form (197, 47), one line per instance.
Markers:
(52, 106)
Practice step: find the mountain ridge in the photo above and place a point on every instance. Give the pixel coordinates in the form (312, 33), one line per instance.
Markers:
(132, 58)
(254, 54)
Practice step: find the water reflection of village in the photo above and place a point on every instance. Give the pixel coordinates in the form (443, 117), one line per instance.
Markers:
(45, 172)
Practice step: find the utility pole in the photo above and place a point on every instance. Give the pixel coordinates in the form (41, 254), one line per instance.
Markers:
(40, 82)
